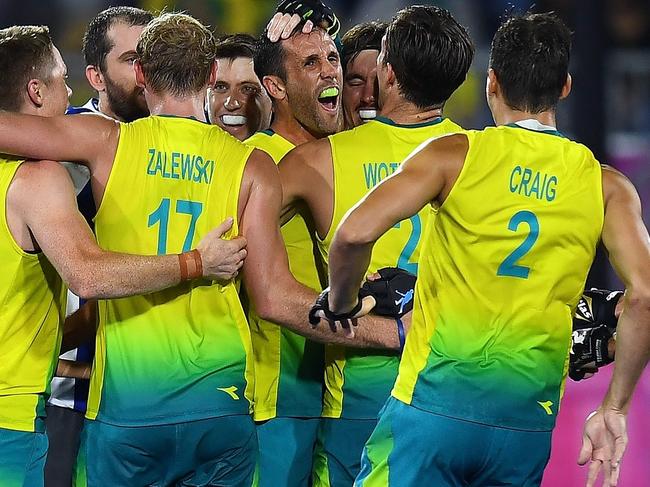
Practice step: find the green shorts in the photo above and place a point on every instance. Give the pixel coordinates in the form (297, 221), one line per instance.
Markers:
(337, 459)
(22, 458)
(217, 451)
(286, 451)
(412, 447)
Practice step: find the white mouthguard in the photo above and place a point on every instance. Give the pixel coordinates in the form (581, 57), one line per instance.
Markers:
(233, 120)
(367, 114)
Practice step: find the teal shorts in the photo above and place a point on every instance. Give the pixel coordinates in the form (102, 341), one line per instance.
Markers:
(286, 451)
(218, 451)
(412, 447)
(22, 458)
(337, 459)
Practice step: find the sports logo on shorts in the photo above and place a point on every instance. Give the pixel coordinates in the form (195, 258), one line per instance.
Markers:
(231, 391)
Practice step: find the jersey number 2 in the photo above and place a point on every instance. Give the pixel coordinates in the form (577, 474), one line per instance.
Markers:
(509, 266)
(403, 262)
(161, 216)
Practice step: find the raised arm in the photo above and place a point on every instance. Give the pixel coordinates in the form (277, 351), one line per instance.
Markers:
(42, 196)
(626, 239)
(425, 176)
(90, 139)
(274, 292)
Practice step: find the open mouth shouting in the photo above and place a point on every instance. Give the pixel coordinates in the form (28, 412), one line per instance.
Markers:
(329, 99)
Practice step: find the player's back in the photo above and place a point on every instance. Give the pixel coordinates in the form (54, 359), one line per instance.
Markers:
(504, 262)
(359, 381)
(184, 353)
(32, 303)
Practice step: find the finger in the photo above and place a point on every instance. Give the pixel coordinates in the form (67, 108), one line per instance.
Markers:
(367, 304)
(290, 26)
(607, 470)
(594, 469)
(223, 227)
(239, 243)
(239, 264)
(585, 451)
(274, 29)
(620, 443)
(375, 276)
(308, 27)
(615, 472)
(242, 254)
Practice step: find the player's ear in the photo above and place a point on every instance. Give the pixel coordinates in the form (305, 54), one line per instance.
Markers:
(491, 84)
(213, 74)
(391, 79)
(95, 78)
(566, 89)
(275, 87)
(35, 92)
(139, 75)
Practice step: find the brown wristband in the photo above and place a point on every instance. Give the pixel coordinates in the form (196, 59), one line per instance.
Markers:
(191, 265)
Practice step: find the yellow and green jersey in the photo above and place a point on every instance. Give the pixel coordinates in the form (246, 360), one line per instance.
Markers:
(184, 353)
(358, 382)
(288, 367)
(503, 264)
(32, 308)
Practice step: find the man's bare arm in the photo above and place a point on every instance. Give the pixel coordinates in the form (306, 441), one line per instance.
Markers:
(274, 292)
(307, 176)
(42, 193)
(626, 239)
(426, 175)
(90, 139)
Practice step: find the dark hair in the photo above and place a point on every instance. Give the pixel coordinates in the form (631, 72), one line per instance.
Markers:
(176, 53)
(530, 58)
(430, 54)
(96, 44)
(235, 46)
(26, 52)
(360, 38)
(269, 58)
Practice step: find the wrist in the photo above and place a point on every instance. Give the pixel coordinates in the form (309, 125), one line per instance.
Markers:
(191, 265)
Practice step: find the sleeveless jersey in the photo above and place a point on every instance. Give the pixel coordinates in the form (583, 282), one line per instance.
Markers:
(288, 367)
(181, 354)
(503, 265)
(358, 382)
(32, 305)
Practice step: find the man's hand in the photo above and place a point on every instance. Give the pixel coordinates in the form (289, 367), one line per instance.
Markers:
(290, 13)
(222, 258)
(594, 327)
(346, 321)
(393, 290)
(604, 440)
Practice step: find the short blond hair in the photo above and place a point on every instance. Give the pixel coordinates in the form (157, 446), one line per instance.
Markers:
(176, 53)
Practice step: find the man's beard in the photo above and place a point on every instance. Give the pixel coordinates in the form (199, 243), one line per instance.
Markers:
(127, 106)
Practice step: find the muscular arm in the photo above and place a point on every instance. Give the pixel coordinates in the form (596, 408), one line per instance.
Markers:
(86, 138)
(42, 193)
(274, 292)
(307, 176)
(425, 176)
(626, 239)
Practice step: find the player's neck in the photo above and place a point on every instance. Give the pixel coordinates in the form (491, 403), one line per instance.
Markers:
(404, 112)
(507, 116)
(105, 107)
(286, 125)
(190, 106)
